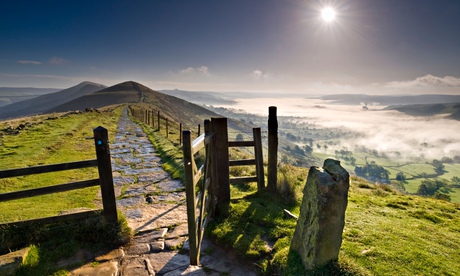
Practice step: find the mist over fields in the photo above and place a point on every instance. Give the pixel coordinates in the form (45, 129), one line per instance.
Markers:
(386, 131)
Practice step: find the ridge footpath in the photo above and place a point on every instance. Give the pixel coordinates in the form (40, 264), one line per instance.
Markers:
(154, 206)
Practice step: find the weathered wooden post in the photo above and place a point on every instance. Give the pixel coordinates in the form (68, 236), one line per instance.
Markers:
(199, 129)
(180, 133)
(158, 120)
(220, 160)
(272, 148)
(190, 198)
(318, 233)
(259, 158)
(166, 123)
(104, 167)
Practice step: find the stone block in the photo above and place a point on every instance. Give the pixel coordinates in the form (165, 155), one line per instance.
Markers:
(318, 234)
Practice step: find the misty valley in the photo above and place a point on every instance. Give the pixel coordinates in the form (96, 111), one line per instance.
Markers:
(415, 154)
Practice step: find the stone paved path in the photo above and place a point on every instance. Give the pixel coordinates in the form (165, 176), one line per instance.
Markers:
(154, 205)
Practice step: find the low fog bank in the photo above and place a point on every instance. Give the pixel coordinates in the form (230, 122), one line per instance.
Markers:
(386, 131)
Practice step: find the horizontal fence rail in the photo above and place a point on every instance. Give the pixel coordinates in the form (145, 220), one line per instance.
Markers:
(256, 143)
(105, 180)
(48, 168)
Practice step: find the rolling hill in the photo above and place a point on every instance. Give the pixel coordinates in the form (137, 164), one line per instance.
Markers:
(429, 109)
(44, 103)
(9, 95)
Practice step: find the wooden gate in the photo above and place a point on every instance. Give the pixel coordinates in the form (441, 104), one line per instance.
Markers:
(212, 179)
(199, 208)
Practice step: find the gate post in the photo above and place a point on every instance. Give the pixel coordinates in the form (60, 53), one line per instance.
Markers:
(104, 167)
(272, 148)
(259, 159)
(220, 160)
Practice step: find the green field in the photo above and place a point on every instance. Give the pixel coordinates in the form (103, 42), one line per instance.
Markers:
(412, 170)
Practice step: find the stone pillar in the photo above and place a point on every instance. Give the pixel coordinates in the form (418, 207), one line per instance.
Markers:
(318, 234)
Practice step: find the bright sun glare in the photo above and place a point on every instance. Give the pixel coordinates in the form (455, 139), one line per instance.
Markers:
(328, 14)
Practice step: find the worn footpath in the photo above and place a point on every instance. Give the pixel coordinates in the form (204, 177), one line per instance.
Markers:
(154, 205)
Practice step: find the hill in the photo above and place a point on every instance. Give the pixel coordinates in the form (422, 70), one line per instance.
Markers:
(132, 92)
(199, 97)
(43, 103)
(9, 95)
(429, 109)
(359, 99)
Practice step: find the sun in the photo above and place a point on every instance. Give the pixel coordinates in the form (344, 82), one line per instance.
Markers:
(328, 14)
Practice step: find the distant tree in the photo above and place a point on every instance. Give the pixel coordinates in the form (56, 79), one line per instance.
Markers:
(239, 137)
(447, 160)
(353, 161)
(298, 150)
(442, 196)
(325, 147)
(372, 170)
(308, 149)
(430, 187)
(400, 176)
(455, 180)
(318, 146)
(438, 167)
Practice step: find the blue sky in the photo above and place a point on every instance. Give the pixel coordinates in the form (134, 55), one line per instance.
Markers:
(279, 46)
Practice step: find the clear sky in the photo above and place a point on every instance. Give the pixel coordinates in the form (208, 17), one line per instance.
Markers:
(284, 46)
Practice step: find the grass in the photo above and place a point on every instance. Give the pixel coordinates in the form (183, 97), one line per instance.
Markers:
(386, 233)
(54, 139)
(59, 140)
(61, 241)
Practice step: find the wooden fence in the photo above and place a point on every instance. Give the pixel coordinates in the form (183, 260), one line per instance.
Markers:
(105, 180)
(159, 122)
(256, 143)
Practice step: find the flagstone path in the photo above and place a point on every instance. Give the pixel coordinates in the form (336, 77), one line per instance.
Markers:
(154, 205)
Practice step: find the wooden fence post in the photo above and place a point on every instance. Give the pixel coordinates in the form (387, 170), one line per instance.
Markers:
(105, 173)
(199, 130)
(220, 160)
(190, 198)
(166, 122)
(259, 159)
(272, 148)
(180, 133)
(159, 121)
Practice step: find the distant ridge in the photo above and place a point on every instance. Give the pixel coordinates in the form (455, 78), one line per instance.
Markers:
(357, 99)
(46, 102)
(9, 95)
(453, 109)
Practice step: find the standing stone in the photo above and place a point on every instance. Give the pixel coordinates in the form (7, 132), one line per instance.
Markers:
(318, 234)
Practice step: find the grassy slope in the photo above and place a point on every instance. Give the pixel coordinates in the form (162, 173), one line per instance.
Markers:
(48, 142)
(385, 233)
